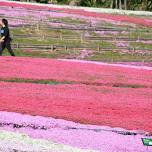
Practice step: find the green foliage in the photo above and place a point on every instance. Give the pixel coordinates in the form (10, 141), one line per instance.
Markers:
(122, 4)
(42, 1)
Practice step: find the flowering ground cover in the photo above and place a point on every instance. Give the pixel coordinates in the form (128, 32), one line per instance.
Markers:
(136, 63)
(23, 16)
(81, 103)
(47, 69)
(20, 142)
(124, 84)
(61, 105)
(82, 12)
(116, 96)
(26, 128)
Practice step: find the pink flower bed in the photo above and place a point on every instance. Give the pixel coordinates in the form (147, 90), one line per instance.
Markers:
(116, 107)
(82, 12)
(25, 13)
(148, 64)
(86, 73)
(145, 42)
(106, 33)
(122, 44)
(73, 134)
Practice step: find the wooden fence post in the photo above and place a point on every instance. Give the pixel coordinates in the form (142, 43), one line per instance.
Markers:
(61, 36)
(43, 37)
(112, 57)
(38, 27)
(98, 48)
(17, 45)
(65, 48)
(81, 38)
(52, 47)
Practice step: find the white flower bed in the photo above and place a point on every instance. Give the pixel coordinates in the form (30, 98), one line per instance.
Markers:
(21, 142)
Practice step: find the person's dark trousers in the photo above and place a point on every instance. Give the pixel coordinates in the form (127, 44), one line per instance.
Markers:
(6, 44)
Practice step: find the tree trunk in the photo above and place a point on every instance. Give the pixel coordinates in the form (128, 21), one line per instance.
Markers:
(116, 4)
(111, 5)
(120, 4)
(125, 3)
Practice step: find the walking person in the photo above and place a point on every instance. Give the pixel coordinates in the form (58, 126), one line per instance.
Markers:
(5, 40)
